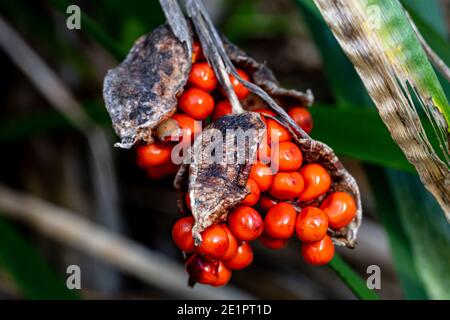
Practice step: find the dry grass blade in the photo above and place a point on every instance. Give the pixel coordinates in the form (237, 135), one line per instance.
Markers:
(379, 40)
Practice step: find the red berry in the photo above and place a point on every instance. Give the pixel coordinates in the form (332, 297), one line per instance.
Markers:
(224, 275)
(182, 234)
(162, 171)
(197, 53)
(196, 103)
(245, 223)
(262, 175)
(266, 202)
(279, 222)
(340, 207)
(286, 185)
(252, 198)
(240, 90)
(223, 108)
(303, 118)
(272, 243)
(318, 253)
(202, 270)
(187, 200)
(265, 112)
(232, 244)
(214, 242)
(243, 258)
(311, 224)
(274, 129)
(187, 124)
(288, 156)
(154, 154)
(202, 76)
(317, 181)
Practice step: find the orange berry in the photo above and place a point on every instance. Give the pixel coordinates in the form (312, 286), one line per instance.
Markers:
(197, 53)
(272, 243)
(303, 118)
(288, 156)
(340, 207)
(196, 103)
(182, 234)
(275, 129)
(252, 198)
(243, 258)
(222, 108)
(265, 112)
(317, 181)
(266, 202)
(245, 223)
(262, 175)
(202, 76)
(164, 170)
(224, 275)
(279, 222)
(311, 224)
(240, 90)
(202, 270)
(188, 125)
(232, 244)
(214, 242)
(286, 185)
(154, 154)
(318, 253)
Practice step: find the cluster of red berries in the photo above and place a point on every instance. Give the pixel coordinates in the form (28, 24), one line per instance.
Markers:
(202, 100)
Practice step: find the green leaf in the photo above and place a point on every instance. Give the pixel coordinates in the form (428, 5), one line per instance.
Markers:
(351, 279)
(30, 271)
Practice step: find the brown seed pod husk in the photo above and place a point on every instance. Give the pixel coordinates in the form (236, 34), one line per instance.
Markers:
(142, 91)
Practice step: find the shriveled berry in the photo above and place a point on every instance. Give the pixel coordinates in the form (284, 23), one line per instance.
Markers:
(240, 90)
(286, 185)
(279, 222)
(262, 175)
(303, 118)
(318, 253)
(189, 127)
(317, 181)
(243, 258)
(266, 202)
(311, 224)
(196, 103)
(202, 270)
(232, 244)
(288, 156)
(272, 243)
(274, 129)
(202, 76)
(182, 234)
(166, 129)
(214, 242)
(154, 154)
(340, 207)
(164, 170)
(245, 223)
(222, 108)
(252, 198)
(224, 275)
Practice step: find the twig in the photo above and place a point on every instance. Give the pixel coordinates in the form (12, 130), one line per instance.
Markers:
(70, 229)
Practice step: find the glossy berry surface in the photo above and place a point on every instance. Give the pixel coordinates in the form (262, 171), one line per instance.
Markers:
(311, 224)
(223, 275)
(340, 207)
(214, 242)
(318, 253)
(245, 223)
(154, 154)
(223, 108)
(279, 222)
(317, 181)
(243, 258)
(196, 103)
(232, 245)
(287, 156)
(272, 243)
(286, 185)
(303, 118)
(262, 175)
(240, 90)
(182, 234)
(252, 198)
(266, 202)
(202, 76)
(276, 132)
(202, 270)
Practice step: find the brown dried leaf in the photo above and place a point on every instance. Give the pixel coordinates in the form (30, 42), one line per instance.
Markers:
(142, 91)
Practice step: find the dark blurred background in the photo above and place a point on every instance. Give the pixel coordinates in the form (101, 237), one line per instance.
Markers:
(51, 91)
